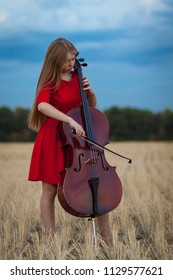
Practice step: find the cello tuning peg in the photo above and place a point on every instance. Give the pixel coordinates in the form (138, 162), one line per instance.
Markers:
(81, 59)
(84, 64)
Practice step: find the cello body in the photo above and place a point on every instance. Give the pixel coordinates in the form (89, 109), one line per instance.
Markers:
(91, 187)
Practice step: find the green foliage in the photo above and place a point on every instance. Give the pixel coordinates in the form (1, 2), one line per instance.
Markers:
(13, 125)
(135, 124)
(125, 124)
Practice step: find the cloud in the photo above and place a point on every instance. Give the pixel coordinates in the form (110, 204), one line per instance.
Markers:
(123, 27)
(52, 16)
(127, 44)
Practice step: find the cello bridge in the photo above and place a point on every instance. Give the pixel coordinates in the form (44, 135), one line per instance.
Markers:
(92, 160)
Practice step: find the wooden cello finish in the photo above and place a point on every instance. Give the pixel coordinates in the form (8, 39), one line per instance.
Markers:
(91, 187)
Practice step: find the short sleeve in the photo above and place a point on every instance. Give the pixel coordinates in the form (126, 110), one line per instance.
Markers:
(43, 96)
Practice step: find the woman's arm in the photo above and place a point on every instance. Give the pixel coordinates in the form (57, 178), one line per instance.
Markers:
(92, 100)
(50, 111)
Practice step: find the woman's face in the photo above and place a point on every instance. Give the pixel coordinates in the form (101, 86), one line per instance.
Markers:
(69, 63)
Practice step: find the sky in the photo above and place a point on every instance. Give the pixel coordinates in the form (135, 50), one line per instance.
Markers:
(127, 44)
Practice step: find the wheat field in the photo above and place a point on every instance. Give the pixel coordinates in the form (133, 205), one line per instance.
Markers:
(142, 224)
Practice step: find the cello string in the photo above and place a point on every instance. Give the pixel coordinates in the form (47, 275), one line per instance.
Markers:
(90, 132)
(87, 118)
(93, 152)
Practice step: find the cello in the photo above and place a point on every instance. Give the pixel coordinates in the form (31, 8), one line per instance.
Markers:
(91, 187)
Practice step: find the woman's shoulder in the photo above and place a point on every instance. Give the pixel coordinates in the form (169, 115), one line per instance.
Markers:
(47, 87)
(44, 93)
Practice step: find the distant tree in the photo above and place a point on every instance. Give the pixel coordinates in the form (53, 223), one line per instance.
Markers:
(6, 123)
(13, 125)
(21, 131)
(134, 124)
(165, 131)
(114, 117)
(125, 124)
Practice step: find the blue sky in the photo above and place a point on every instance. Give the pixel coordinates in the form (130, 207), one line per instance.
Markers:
(127, 44)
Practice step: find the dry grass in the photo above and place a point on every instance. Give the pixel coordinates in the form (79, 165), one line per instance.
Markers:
(142, 224)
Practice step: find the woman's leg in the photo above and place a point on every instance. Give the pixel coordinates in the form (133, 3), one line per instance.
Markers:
(105, 230)
(49, 192)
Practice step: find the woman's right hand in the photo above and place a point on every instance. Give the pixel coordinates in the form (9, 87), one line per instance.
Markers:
(50, 111)
(78, 130)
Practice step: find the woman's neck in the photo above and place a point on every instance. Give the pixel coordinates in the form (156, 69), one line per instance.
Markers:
(66, 76)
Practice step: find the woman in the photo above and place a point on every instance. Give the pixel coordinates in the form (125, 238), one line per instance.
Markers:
(57, 93)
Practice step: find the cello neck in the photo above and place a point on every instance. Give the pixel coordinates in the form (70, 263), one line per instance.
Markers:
(86, 111)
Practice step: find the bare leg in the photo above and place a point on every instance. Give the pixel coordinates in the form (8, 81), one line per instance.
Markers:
(105, 230)
(49, 192)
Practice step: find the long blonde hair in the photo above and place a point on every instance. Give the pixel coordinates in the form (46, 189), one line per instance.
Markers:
(50, 75)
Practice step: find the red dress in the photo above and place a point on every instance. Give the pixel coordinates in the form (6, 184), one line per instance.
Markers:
(47, 159)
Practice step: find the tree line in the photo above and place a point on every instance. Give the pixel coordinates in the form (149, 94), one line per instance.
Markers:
(135, 124)
(125, 124)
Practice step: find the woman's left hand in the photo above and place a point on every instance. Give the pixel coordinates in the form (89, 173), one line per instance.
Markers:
(86, 85)
(92, 101)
